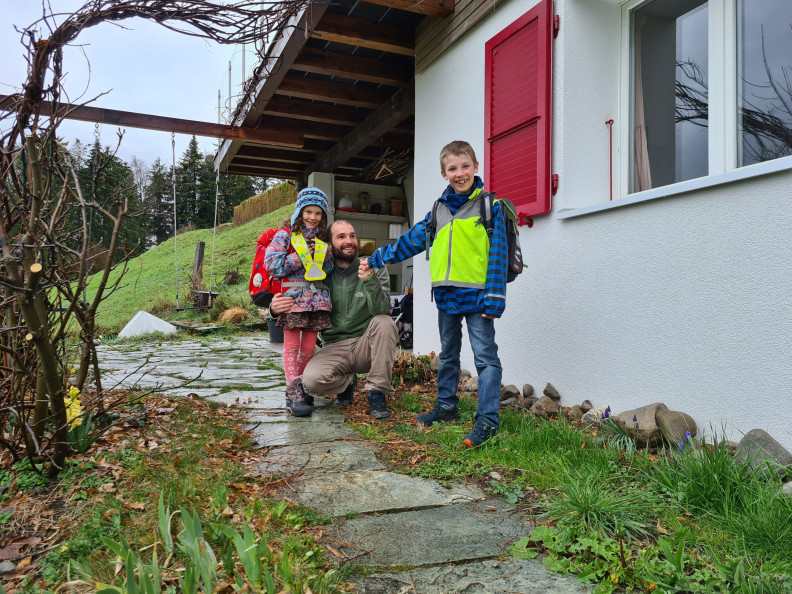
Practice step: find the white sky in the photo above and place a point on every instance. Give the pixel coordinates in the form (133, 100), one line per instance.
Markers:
(145, 67)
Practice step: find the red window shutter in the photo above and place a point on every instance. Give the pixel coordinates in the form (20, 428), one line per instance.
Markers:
(518, 111)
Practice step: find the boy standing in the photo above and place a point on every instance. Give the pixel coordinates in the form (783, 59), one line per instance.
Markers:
(468, 281)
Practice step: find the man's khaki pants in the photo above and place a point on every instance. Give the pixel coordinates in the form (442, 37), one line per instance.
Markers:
(333, 368)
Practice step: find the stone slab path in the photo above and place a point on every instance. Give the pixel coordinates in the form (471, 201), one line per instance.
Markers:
(452, 538)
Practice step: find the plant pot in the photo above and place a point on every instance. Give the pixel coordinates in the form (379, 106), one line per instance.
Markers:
(275, 332)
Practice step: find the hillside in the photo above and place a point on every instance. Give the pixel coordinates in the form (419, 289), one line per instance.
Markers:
(149, 282)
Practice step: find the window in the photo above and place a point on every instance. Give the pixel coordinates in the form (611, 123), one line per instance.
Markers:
(518, 111)
(710, 87)
(764, 78)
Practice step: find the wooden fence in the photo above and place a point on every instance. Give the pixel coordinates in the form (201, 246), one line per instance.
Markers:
(265, 202)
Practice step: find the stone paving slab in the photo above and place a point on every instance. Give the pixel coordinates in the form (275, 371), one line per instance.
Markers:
(368, 491)
(291, 433)
(480, 577)
(433, 536)
(321, 458)
(281, 415)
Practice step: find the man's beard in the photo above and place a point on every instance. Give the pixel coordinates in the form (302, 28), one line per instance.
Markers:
(342, 257)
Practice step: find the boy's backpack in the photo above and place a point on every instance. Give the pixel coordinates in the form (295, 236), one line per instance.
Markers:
(486, 200)
(261, 287)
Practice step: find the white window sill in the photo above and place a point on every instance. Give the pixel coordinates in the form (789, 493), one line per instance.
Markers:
(768, 167)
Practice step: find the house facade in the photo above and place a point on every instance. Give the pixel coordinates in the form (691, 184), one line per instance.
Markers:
(661, 269)
(646, 144)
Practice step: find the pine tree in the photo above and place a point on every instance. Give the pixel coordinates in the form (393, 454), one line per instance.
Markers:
(158, 204)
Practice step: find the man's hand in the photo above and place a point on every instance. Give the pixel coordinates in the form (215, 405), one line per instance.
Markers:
(364, 270)
(280, 304)
(486, 317)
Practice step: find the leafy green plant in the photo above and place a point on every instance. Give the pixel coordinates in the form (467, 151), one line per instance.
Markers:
(511, 491)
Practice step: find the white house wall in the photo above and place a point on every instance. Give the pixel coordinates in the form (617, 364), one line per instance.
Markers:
(685, 300)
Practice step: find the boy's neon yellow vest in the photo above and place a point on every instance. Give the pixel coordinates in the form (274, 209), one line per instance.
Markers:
(460, 252)
(313, 263)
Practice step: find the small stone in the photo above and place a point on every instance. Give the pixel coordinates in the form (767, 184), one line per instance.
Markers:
(509, 402)
(593, 416)
(551, 392)
(509, 391)
(586, 406)
(495, 475)
(641, 424)
(731, 446)
(470, 385)
(545, 407)
(760, 448)
(528, 390)
(434, 364)
(574, 413)
(465, 374)
(787, 490)
(675, 425)
(7, 567)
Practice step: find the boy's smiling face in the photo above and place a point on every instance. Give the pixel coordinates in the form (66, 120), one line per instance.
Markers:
(460, 172)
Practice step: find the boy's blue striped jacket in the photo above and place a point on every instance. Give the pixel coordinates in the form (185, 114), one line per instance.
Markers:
(492, 299)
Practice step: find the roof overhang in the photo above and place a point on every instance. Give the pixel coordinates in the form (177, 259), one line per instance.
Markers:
(339, 78)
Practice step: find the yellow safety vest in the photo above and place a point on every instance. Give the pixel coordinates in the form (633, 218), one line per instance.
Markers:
(460, 252)
(312, 262)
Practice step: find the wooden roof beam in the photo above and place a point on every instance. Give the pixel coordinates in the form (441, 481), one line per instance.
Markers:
(130, 119)
(315, 112)
(359, 32)
(389, 114)
(352, 67)
(303, 87)
(433, 8)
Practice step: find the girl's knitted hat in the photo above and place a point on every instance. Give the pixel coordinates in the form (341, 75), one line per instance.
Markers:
(308, 197)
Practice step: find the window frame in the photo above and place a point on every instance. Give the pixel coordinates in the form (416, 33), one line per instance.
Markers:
(722, 143)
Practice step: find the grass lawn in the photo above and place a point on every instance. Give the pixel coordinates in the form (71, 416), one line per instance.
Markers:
(150, 279)
(621, 518)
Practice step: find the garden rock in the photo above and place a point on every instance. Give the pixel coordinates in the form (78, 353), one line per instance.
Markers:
(7, 567)
(787, 490)
(528, 402)
(464, 374)
(731, 446)
(641, 425)
(551, 392)
(434, 364)
(509, 391)
(508, 402)
(593, 416)
(586, 405)
(545, 407)
(470, 385)
(575, 413)
(758, 446)
(675, 425)
(528, 390)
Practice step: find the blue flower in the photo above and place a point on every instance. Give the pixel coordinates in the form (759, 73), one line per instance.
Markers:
(635, 418)
(687, 436)
(681, 446)
(636, 425)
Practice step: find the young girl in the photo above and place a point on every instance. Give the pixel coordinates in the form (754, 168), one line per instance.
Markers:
(303, 258)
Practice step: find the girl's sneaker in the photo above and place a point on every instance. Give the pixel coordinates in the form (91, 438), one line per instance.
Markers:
(298, 402)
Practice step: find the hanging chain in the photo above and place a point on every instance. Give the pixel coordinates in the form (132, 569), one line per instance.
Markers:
(173, 185)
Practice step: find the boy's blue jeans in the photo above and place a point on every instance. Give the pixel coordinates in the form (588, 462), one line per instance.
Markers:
(485, 355)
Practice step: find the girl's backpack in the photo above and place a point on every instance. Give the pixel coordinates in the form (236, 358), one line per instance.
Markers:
(261, 287)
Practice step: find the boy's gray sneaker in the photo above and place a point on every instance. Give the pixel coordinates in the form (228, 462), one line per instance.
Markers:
(438, 415)
(345, 398)
(482, 431)
(378, 408)
(298, 402)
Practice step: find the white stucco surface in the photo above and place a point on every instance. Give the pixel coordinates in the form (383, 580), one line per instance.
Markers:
(685, 300)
